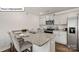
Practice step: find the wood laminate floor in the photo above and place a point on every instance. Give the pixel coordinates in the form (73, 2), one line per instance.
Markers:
(58, 48)
(63, 48)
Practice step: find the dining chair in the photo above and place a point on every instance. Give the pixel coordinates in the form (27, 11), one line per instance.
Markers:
(19, 43)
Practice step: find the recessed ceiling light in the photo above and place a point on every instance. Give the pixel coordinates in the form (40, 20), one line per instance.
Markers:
(41, 13)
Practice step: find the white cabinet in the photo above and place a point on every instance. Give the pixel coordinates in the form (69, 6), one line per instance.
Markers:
(42, 21)
(60, 36)
(47, 17)
(60, 19)
(44, 18)
(44, 48)
(63, 19)
(57, 20)
(52, 45)
(48, 47)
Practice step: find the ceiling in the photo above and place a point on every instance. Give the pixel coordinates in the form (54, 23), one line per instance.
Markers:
(45, 10)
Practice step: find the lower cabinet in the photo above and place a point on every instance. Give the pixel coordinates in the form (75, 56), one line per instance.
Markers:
(48, 47)
(52, 45)
(60, 36)
(44, 48)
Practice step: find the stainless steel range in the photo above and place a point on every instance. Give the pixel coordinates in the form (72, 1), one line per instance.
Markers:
(73, 32)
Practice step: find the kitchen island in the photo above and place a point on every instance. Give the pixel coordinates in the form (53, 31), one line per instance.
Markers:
(42, 42)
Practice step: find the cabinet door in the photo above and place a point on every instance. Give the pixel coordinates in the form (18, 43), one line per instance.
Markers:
(57, 36)
(44, 48)
(63, 37)
(51, 17)
(60, 37)
(47, 17)
(52, 45)
(60, 19)
(42, 20)
(57, 20)
(63, 19)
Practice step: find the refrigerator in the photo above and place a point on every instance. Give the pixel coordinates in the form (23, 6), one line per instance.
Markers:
(73, 32)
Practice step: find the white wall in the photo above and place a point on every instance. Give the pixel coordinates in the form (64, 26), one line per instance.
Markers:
(12, 21)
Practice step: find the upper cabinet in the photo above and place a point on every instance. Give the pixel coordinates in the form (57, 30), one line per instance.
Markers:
(60, 19)
(49, 17)
(42, 20)
(45, 18)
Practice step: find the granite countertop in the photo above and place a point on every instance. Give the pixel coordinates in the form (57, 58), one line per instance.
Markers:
(60, 30)
(38, 39)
